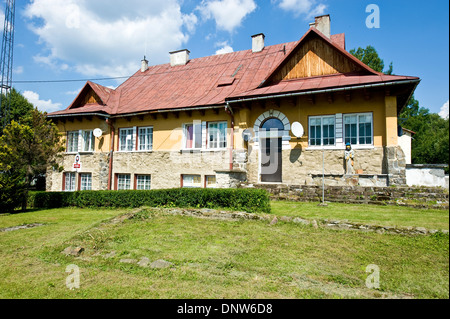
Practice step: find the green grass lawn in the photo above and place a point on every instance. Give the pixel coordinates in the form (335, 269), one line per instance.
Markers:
(212, 259)
(368, 214)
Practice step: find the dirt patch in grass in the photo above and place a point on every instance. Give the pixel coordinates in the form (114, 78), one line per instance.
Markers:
(28, 226)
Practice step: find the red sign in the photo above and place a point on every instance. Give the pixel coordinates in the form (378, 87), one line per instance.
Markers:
(76, 165)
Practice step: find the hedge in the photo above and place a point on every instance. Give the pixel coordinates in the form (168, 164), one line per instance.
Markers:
(249, 200)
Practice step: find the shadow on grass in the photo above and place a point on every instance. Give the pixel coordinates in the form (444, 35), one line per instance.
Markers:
(20, 211)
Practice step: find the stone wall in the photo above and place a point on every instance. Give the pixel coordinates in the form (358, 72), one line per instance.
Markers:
(366, 180)
(230, 179)
(166, 168)
(95, 163)
(303, 166)
(378, 167)
(420, 197)
(395, 165)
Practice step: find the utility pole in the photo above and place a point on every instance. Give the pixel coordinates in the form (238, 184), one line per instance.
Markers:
(6, 63)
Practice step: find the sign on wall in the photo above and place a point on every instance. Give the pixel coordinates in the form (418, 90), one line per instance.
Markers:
(77, 163)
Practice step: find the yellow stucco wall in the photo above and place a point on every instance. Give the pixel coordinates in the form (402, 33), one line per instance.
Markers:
(101, 144)
(391, 121)
(246, 118)
(167, 133)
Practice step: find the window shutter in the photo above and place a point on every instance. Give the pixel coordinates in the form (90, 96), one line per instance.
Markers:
(134, 137)
(339, 130)
(80, 140)
(204, 137)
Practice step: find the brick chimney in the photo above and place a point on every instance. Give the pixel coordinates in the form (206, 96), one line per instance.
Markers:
(144, 65)
(258, 42)
(180, 57)
(323, 24)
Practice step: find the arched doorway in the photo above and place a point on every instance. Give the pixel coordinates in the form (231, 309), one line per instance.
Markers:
(270, 133)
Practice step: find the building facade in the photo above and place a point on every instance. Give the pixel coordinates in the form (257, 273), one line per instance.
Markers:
(276, 114)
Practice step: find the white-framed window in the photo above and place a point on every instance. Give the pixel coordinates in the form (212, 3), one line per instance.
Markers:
(88, 141)
(143, 182)
(126, 139)
(358, 129)
(85, 181)
(72, 141)
(192, 181)
(217, 135)
(210, 181)
(192, 135)
(322, 130)
(123, 181)
(69, 184)
(145, 138)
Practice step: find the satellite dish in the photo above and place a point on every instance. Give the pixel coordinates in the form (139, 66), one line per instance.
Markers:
(247, 135)
(98, 132)
(297, 129)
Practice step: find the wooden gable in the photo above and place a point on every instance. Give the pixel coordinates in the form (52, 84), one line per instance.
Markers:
(91, 98)
(316, 55)
(86, 96)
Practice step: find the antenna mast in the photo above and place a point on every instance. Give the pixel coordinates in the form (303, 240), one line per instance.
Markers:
(6, 63)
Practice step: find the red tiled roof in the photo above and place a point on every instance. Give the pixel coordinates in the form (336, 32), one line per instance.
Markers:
(211, 80)
(320, 83)
(201, 82)
(102, 92)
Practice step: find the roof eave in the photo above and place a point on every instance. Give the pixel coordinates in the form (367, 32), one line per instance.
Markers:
(237, 99)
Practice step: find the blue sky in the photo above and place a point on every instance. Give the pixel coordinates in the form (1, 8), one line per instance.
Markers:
(90, 39)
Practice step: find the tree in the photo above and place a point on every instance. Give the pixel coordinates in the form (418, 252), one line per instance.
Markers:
(20, 107)
(430, 143)
(369, 56)
(29, 148)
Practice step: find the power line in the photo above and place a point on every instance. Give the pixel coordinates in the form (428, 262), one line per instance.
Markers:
(70, 80)
(242, 60)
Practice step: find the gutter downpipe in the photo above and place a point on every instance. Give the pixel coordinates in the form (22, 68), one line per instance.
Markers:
(111, 153)
(229, 110)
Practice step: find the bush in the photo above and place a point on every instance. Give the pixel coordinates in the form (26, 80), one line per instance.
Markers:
(249, 200)
(12, 192)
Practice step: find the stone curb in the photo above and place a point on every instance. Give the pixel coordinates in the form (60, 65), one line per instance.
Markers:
(322, 223)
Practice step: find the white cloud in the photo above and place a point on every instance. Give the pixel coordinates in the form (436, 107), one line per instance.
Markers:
(309, 8)
(190, 20)
(107, 38)
(18, 70)
(73, 92)
(444, 110)
(44, 106)
(224, 48)
(228, 14)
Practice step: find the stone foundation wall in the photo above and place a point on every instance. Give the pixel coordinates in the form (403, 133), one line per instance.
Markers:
(419, 197)
(351, 180)
(166, 168)
(395, 165)
(300, 166)
(378, 167)
(230, 179)
(96, 163)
